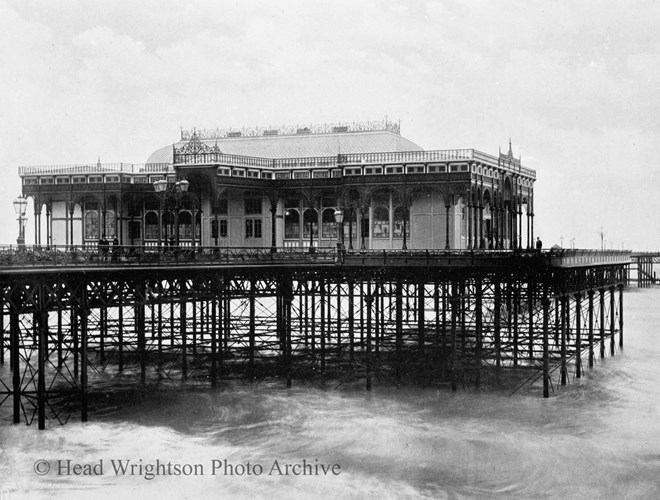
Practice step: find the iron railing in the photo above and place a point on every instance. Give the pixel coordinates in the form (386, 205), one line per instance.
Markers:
(96, 168)
(130, 255)
(12, 256)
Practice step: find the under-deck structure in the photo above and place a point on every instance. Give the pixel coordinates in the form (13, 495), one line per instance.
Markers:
(642, 269)
(73, 316)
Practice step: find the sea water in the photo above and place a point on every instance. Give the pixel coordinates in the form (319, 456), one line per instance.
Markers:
(599, 437)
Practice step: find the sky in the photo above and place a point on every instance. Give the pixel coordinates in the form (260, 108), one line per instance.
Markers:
(574, 84)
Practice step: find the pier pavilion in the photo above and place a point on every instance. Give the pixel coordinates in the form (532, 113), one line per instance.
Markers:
(290, 187)
(421, 270)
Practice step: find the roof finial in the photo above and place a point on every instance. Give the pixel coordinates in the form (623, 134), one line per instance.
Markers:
(98, 163)
(510, 150)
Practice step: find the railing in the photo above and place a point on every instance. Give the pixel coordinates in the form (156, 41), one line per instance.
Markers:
(96, 168)
(126, 255)
(580, 258)
(130, 255)
(216, 158)
(300, 129)
(445, 155)
(408, 156)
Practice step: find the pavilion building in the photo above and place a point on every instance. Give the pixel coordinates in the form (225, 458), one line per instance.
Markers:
(290, 187)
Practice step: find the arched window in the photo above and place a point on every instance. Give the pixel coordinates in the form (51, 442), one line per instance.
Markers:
(291, 224)
(92, 225)
(168, 224)
(401, 215)
(381, 224)
(311, 221)
(329, 227)
(185, 225)
(350, 224)
(151, 226)
(110, 224)
(364, 225)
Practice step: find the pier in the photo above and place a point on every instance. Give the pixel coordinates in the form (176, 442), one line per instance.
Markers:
(209, 314)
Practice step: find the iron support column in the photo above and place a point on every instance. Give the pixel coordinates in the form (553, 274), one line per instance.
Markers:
(497, 320)
(455, 304)
(42, 355)
(14, 327)
(620, 316)
(602, 322)
(83, 353)
(478, 328)
(590, 294)
(578, 336)
(563, 312)
(546, 360)
(369, 300)
(612, 342)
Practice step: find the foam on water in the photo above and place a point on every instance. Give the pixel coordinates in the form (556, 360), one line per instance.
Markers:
(597, 438)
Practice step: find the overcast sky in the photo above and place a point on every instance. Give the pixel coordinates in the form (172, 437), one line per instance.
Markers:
(575, 84)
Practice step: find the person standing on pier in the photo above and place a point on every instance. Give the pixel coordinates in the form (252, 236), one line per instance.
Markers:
(539, 244)
(104, 245)
(115, 249)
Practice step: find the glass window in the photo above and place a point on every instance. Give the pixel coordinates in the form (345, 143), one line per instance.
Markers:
(381, 228)
(291, 224)
(134, 230)
(109, 230)
(329, 226)
(401, 214)
(151, 226)
(253, 203)
(253, 228)
(185, 225)
(222, 207)
(92, 225)
(365, 226)
(311, 221)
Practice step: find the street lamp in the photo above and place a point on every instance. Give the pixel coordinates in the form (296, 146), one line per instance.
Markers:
(20, 206)
(339, 219)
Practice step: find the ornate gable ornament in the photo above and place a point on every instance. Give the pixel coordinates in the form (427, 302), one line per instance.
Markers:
(508, 159)
(196, 146)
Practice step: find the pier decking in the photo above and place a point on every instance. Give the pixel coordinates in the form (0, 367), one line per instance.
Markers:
(212, 314)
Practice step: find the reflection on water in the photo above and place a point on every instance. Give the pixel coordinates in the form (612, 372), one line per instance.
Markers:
(597, 438)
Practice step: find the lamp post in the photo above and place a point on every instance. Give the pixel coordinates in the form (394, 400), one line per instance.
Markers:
(339, 219)
(165, 190)
(20, 206)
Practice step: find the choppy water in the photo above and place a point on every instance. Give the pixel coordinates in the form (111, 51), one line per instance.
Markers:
(597, 438)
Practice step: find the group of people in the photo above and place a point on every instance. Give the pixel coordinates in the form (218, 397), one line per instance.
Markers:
(104, 248)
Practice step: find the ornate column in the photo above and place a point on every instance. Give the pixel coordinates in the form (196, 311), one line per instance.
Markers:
(49, 224)
(72, 208)
(520, 218)
(531, 219)
(273, 215)
(103, 221)
(469, 221)
(119, 226)
(447, 207)
(37, 221)
(482, 242)
(528, 240)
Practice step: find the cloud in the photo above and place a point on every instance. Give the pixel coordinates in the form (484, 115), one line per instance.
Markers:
(574, 83)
